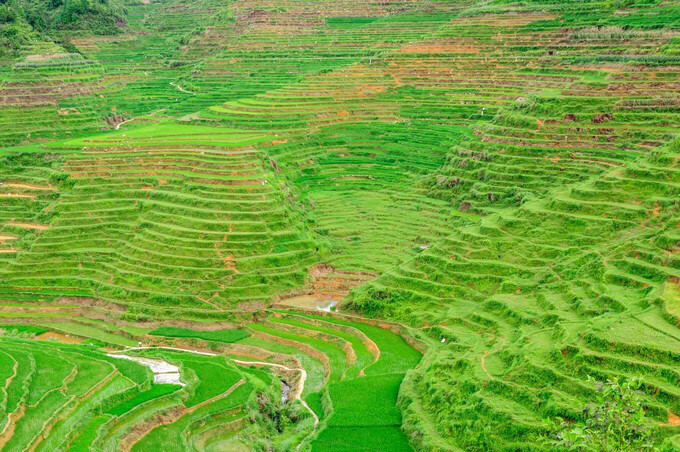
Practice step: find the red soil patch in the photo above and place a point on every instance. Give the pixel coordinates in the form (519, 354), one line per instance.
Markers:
(228, 261)
(334, 284)
(28, 186)
(67, 111)
(168, 416)
(307, 349)
(59, 337)
(673, 420)
(8, 432)
(40, 227)
(16, 195)
(138, 431)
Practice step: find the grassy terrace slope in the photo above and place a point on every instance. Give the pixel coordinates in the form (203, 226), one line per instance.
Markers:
(212, 392)
(167, 216)
(75, 397)
(497, 179)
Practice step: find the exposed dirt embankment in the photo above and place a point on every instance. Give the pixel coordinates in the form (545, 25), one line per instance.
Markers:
(140, 430)
(12, 419)
(326, 288)
(396, 328)
(308, 350)
(368, 343)
(58, 337)
(350, 356)
(168, 416)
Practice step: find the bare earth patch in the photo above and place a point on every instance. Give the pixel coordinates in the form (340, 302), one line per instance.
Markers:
(59, 337)
(40, 227)
(312, 302)
(27, 186)
(673, 420)
(17, 195)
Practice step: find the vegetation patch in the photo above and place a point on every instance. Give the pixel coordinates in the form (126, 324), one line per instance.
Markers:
(482, 196)
(227, 335)
(157, 390)
(23, 329)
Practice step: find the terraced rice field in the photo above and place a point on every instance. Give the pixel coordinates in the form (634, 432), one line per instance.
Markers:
(335, 226)
(66, 392)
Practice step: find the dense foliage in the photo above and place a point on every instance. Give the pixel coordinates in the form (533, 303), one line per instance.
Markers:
(614, 422)
(23, 22)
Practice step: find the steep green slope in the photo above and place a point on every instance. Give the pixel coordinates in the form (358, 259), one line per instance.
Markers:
(159, 217)
(24, 22)
(500, 178)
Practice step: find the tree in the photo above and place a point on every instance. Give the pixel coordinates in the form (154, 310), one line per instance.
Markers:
(615, 423)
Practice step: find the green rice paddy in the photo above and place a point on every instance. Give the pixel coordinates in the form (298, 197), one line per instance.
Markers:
(228, 336)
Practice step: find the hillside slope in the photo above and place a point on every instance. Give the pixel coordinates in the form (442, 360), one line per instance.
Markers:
(23, 22)
(497, 182)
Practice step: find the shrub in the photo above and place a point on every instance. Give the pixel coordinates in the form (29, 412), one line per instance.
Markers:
(616, 422)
